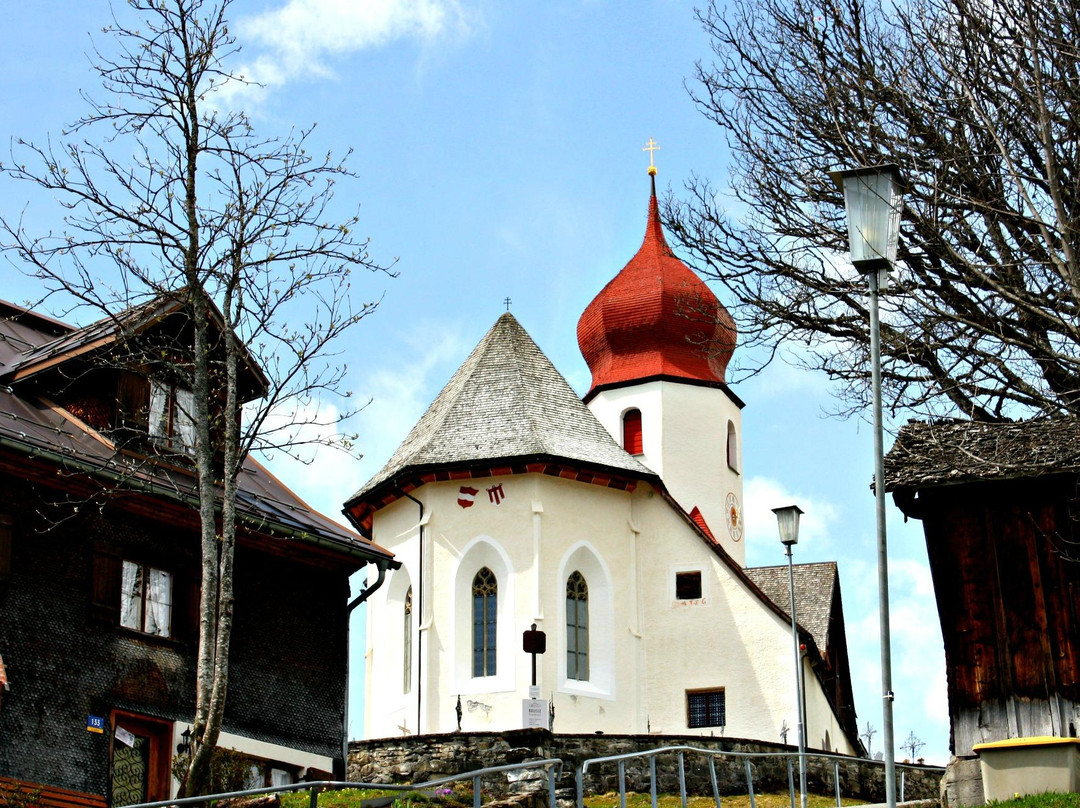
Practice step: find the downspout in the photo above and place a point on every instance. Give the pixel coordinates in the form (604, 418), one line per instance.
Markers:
(364, 595)
(420, 615)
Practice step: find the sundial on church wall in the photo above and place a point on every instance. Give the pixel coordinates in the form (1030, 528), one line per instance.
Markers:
(734, 517)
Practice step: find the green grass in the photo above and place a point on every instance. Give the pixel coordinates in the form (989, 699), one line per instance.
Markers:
(458, 797)
(1040, 801)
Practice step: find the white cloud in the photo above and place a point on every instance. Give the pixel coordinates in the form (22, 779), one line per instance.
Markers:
(301, 38)
(762, 494)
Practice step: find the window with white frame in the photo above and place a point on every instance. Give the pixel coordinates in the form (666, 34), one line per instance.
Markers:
(146, 598)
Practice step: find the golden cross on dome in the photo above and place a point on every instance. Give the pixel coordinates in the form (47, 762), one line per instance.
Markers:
(651, 147)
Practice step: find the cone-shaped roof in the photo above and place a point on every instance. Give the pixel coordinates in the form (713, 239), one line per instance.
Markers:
(506, 402)
(656, 318)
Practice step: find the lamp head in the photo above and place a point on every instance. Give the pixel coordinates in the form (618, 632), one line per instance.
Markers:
(787, 519)
(873, 201)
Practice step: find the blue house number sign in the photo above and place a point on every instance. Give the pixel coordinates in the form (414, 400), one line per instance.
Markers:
(95, 723)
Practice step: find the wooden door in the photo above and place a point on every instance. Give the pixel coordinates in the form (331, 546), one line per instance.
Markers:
(140, 760)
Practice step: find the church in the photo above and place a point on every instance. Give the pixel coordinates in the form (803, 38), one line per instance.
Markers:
(613, 525)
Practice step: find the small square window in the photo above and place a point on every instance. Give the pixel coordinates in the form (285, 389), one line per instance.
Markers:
(688, 585)
(705, 708)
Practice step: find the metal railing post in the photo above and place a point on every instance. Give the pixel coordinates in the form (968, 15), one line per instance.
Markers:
(712, 779)
(791, 782)
(622, 784)
(750, 784)
(682, 779)
(652, 780)
(902, 773)
(314, 800)
(551, 786)
(476, 791)
(579, 781)
(836, 780)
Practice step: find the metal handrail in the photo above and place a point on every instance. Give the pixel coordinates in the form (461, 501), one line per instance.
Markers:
(712, 754)
(553, 765)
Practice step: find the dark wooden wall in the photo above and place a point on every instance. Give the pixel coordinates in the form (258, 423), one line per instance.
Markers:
(1005, 559)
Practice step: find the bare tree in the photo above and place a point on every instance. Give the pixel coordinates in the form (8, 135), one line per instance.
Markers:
(979, 105)
(169, 195)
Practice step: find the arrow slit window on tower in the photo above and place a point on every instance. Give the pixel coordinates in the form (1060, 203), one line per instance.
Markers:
(485, 590)
(732, 447)
(632, 439)
(577, 627)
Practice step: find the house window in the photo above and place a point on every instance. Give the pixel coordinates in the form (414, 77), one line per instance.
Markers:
(172, 423)
(705, 708)
(146, 599)
(631, 426)
(406, 640)
(688, 585)
(732, 447)
(485, 591)
(577, 627)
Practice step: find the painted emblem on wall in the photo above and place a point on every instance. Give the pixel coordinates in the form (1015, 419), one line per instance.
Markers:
(467, 496)
(496, 494)
(734, 519)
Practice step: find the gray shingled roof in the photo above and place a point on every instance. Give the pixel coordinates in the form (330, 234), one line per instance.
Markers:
(814, 585)
(952, 452)
(506, 401)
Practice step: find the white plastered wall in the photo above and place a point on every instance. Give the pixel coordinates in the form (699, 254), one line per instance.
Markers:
(647, 649)
(685, 441)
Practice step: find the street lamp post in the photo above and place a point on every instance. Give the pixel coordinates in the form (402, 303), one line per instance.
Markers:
(787, 519)
(873, 202)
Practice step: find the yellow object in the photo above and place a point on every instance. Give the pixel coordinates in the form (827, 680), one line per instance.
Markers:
(651, 147)
(1019, 766)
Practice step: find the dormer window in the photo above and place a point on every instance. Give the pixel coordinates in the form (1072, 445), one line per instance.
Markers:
(172, 423)
(632, 440)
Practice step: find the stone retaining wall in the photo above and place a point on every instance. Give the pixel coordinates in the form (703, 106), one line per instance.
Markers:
(418, 759)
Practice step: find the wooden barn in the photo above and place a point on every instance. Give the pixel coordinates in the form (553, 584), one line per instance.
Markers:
(999, 504)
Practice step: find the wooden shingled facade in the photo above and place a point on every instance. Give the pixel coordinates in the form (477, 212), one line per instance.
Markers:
(999, 505)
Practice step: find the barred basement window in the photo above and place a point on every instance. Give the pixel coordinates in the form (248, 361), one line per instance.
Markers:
(485, 590)
(705, 708)
(577, 627)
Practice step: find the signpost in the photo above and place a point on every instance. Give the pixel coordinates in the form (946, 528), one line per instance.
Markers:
(534, 711)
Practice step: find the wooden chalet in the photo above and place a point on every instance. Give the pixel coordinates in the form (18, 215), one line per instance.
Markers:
(999, 505)
(100, 575)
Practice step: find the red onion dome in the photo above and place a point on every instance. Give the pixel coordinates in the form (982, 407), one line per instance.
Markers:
(656, 318)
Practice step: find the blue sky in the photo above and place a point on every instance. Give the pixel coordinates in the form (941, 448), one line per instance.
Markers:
(498, 147)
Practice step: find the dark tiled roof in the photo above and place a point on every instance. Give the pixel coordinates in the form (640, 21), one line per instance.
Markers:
(814, 587)
(952, 452)
(32, 427)
(506, 401)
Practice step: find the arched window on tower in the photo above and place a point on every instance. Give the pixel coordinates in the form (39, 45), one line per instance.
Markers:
(732, 447)
(485, 592)
(577, 627)
(631, 430)
(406, 644)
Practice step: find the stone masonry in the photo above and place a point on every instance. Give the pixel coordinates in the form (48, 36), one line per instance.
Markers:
(413, 759)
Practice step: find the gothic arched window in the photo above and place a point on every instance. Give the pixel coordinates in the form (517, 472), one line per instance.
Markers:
(577, 627)
(485, 592)
(406, 644)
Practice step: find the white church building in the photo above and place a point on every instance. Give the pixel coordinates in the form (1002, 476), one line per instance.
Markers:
(613, 525)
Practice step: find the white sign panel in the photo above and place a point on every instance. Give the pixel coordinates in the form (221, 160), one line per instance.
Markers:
(534, 713)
